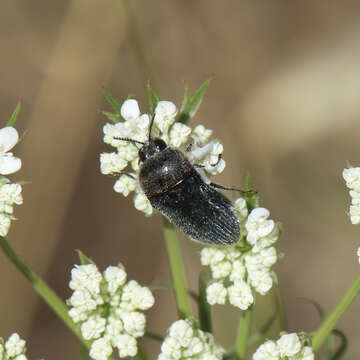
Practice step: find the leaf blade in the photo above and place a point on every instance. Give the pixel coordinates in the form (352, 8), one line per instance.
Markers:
(191, 104)
(14, 115)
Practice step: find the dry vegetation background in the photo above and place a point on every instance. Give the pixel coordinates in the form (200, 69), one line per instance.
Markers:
(284, 101)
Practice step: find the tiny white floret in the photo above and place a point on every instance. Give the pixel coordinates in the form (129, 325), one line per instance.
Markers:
(15, 346)
(8, 139)
(289, 344)
(216, 293)
(100, 349)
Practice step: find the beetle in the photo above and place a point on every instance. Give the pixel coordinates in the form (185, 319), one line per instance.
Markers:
(176, 189)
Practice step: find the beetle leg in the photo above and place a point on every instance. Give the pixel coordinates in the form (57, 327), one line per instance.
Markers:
(217, 162)
(124, 173)
(189, 147)
(217, 186)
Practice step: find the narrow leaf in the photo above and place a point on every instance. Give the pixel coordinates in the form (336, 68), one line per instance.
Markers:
(264, 328)
(113, 117)
(14, 115)
(317, 307)
(191, 104)
(152, 97)
(343, 344)
(84, 259)
(113, 102)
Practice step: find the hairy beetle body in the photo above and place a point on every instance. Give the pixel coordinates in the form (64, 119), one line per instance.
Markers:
(175, 189)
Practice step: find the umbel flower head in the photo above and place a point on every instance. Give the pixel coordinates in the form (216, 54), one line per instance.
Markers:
(185, 341)
(13, 349)
(106, 307)
(288, 347)
(246, 267)
(352, 177)
(135, 126)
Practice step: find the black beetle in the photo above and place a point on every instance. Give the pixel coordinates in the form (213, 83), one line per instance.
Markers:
(175, 188)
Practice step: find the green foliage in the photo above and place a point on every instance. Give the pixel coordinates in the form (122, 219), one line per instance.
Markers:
(116, 116)
(152, 98)
(337, 354)
(14, 115)
(252, 197)
(191, 104)
(84, 259)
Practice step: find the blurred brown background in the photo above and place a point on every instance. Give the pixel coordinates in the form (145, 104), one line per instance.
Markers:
(284, 101)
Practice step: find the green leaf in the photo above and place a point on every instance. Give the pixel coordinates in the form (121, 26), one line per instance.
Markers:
(264, 328)
(191, 104)
(84, 259)
(115, 105)
(14, 115)
(152, 97)
(342, 347)
(113, 117)
(317, 306)
(111, 100)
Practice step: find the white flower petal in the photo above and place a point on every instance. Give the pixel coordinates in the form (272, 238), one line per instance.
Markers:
(8, 138)
(9, 164)
(130, 109)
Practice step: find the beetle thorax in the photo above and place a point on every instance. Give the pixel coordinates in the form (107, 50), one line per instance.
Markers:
(162, 171)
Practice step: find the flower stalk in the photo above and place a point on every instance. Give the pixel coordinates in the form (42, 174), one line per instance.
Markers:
(243, 334)
(177, 270)
(43, 290)
(204, 306)
(333, 318)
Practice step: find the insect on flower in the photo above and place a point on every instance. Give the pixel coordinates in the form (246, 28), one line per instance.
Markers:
(176, 189)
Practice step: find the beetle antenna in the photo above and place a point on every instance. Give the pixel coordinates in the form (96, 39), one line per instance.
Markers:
(129, 140)
(151, 125)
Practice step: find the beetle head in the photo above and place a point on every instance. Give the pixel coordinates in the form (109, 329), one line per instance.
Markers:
(150, 148)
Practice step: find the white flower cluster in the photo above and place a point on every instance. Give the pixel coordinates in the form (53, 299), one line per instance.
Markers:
(184, 341)
(352, 178)
(175, 134)
(106, 308)
(10, 194)
(288, 347)
(13, 349)
(236, 273)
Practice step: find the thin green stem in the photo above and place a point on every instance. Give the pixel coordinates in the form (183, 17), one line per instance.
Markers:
(45, 292)
(177, 270)
(204, 307)
(141, 354)
(243, 334)
(82, 352)
(154, 336)
(333, 318)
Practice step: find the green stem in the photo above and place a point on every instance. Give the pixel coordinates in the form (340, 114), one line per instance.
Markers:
(332, 319)
(177, 270)
(154, 336)
(141, 354)
(243, 334)
(204, 307)
(46, 293)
